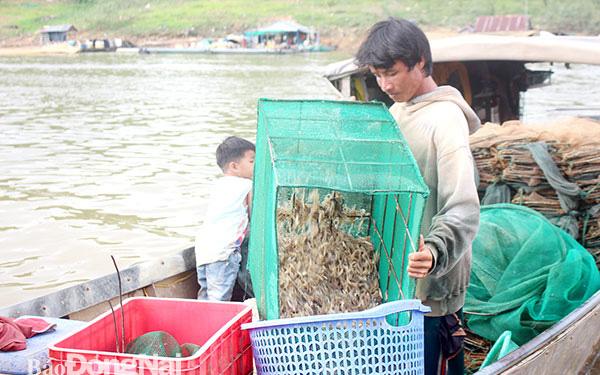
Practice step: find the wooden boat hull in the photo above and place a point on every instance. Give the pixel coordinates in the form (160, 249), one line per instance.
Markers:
(569, 347)
(169, 277)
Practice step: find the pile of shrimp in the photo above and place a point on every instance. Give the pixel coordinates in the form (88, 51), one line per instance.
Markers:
(322, 268)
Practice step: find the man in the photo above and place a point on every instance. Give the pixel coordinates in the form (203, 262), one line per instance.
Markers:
(436, 123)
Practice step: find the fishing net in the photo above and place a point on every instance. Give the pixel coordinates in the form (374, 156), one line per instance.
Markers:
(188, 350)
(338, 206)
(526, 275)
(157, 343)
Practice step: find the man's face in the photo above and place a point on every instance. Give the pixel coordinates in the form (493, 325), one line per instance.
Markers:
(398, 82)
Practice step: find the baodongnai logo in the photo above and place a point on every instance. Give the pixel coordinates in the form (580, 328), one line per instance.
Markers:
(78, 364)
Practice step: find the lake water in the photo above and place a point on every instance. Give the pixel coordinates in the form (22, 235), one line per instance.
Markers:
(108, 154)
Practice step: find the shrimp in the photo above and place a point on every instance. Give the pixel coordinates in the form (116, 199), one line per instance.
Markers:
(323, 268)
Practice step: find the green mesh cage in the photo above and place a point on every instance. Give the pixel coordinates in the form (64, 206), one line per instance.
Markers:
(352, 148)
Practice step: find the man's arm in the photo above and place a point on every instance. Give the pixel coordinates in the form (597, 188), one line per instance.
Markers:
(454, 227)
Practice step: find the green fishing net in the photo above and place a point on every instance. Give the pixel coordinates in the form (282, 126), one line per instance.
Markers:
(157, 343)
(188, 350)
(162, 344)
(527, 274)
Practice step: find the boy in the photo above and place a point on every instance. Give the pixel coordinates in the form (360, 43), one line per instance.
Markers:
(436, 122)
(218, 244)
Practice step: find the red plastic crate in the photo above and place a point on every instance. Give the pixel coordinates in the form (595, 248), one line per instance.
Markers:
(215, 326)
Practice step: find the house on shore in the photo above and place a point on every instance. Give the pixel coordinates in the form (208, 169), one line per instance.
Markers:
(58, 33)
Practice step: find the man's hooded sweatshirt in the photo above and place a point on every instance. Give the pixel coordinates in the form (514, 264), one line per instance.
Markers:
(436, 127)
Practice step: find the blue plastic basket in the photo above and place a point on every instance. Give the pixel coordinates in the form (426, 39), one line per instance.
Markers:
(342, 344)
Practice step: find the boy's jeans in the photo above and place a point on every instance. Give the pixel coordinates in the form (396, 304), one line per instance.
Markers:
(217, 279)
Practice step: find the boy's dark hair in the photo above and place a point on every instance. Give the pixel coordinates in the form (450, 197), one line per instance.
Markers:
(232, 149)
(391, 40)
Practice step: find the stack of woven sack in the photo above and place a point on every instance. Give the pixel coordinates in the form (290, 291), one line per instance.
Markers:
(552, 168)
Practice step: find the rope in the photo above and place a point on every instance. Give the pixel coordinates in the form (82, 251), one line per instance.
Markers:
(586, 193)
(392, 268)
(389, 255)
(404, 247)
(520, 197)
(407, 232)
(584, 229)
(412, 243)
(482, 314)
(175, 282)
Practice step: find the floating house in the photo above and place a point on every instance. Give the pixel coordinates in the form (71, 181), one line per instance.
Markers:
(58, 33)
(283, 33)
(279, 37)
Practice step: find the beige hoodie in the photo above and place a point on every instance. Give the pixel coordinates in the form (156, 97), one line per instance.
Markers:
(436, 127)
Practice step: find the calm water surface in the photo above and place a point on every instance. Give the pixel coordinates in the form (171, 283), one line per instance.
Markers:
(107, 154)
(573, 92)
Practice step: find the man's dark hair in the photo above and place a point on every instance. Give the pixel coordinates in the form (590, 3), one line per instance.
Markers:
(232, 149)
(391, 40)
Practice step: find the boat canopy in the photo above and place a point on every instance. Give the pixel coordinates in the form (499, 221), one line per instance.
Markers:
(561, 49)
(533, 49)
(280, 27)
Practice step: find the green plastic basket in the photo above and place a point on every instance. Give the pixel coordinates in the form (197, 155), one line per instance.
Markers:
(352, 147)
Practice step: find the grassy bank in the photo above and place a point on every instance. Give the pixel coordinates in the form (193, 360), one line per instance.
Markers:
(335, 19)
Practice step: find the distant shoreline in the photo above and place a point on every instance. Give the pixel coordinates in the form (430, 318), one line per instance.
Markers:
(343, 40)
(339, 23)
(347, 43)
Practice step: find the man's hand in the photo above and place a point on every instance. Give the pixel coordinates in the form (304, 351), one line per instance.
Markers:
(420, 263)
